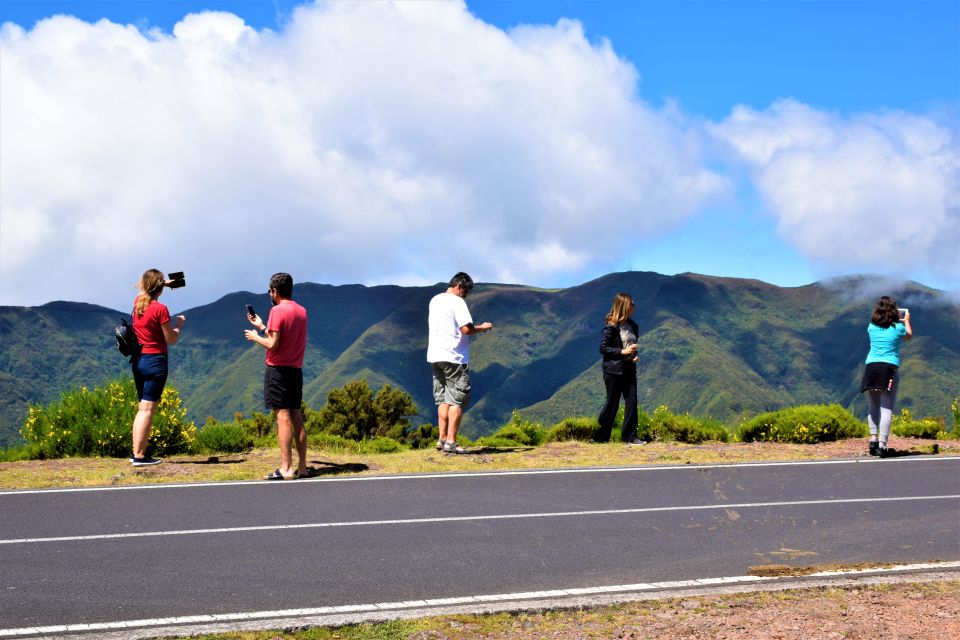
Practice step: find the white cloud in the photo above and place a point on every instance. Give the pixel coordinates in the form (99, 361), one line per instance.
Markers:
(873, 192)
(365, 141)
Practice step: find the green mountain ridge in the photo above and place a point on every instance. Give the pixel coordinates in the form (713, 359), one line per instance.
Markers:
(722, 347)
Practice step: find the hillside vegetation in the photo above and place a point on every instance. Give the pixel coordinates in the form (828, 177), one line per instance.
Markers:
(718, 347)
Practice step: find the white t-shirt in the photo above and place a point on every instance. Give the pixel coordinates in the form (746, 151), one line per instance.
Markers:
(448, 312)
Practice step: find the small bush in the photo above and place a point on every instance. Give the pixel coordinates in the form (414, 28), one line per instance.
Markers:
(497, 442)
(805, 424)
(423, 436)
(224, 437)
(98, 422)
(20, 453)
(670, 427)
(581, 429)
(380, 444)
(516, 433)
(329, 441)
(906, 426)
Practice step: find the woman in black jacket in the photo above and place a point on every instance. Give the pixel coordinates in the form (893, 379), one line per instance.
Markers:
(618, 346)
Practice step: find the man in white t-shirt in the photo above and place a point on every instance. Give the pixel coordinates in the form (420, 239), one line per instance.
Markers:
(448, 351)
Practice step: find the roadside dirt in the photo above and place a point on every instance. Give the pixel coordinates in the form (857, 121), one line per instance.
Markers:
(917, 611)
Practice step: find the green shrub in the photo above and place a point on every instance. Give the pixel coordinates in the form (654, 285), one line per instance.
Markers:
(670, 427)
(98, 422)
(20, 453)
(332, 442)
(906, 426)
(353, 412)
(805, 424)
(224, 437)
(516, 433)
(423, 436)
(582, 429)
(497, 442)
(380, 444)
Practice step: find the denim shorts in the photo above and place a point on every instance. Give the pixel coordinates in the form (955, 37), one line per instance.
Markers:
(150, 375)
(451, 384)
(282, 387)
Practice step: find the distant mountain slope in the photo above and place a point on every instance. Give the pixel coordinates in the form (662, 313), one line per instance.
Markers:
(713, 346)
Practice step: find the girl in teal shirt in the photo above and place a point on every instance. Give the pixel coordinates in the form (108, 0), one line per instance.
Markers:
(881, 376)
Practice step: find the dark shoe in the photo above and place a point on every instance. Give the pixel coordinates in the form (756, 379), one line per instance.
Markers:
(145, 461)
(874, 447)
(276, 475)
(882, 452)
(637, 441)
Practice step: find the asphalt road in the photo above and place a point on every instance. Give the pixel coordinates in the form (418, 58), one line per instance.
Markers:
(165, 551)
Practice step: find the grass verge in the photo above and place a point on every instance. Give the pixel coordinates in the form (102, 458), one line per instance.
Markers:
(254, 464)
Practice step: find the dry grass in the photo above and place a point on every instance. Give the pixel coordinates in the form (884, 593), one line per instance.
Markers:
(253, 465)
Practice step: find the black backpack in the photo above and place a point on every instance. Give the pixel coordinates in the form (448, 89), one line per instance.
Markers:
(127, 342)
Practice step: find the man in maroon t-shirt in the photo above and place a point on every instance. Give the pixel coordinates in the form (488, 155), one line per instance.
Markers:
(285, 339)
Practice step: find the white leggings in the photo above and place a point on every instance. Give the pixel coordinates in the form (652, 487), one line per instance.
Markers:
(880, 410)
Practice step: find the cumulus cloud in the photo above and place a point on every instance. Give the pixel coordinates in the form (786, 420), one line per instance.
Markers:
(365, 142)
(872, 192)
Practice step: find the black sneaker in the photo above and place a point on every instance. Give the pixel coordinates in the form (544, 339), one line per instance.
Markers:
(882, 452)
(874, 447)
(145, 462)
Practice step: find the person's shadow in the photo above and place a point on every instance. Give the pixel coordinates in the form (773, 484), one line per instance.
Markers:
(333, 469)
(476, 451)
(900, 453)
(210, 460)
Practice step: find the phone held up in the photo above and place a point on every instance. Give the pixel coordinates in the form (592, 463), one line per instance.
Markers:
(903, 313)
(177, 280)
(250, 311)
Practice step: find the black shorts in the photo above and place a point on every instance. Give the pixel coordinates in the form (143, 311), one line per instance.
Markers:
(282, 387)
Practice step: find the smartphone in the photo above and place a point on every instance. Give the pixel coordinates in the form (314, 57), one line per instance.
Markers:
(177, 280)
(903, 313)
(250, 311)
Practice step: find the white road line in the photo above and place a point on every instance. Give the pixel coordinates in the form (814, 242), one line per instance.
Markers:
(476, 474)
(505, 516)
(26, 632)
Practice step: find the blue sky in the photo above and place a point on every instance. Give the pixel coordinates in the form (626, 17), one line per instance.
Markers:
(782, 141)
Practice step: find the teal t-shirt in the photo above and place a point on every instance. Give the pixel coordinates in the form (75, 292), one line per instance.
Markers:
(885, 343)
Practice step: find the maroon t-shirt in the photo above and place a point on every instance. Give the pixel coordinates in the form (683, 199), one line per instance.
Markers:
(148, 329)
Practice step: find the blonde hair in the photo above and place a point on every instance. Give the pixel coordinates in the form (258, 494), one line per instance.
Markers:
(620, 310)
(151, 286)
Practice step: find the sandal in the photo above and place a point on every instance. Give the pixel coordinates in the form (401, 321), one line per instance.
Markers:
(276, 475)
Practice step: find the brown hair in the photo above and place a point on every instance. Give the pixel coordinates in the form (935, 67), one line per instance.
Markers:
(151, 286)
(885, 314)
(620, 310)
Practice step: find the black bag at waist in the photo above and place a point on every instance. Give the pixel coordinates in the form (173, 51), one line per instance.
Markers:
(878, 376)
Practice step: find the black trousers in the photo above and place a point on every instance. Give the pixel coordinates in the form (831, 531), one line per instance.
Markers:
(624, 385)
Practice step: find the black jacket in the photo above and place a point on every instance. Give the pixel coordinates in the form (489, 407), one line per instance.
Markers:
(611, 345)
